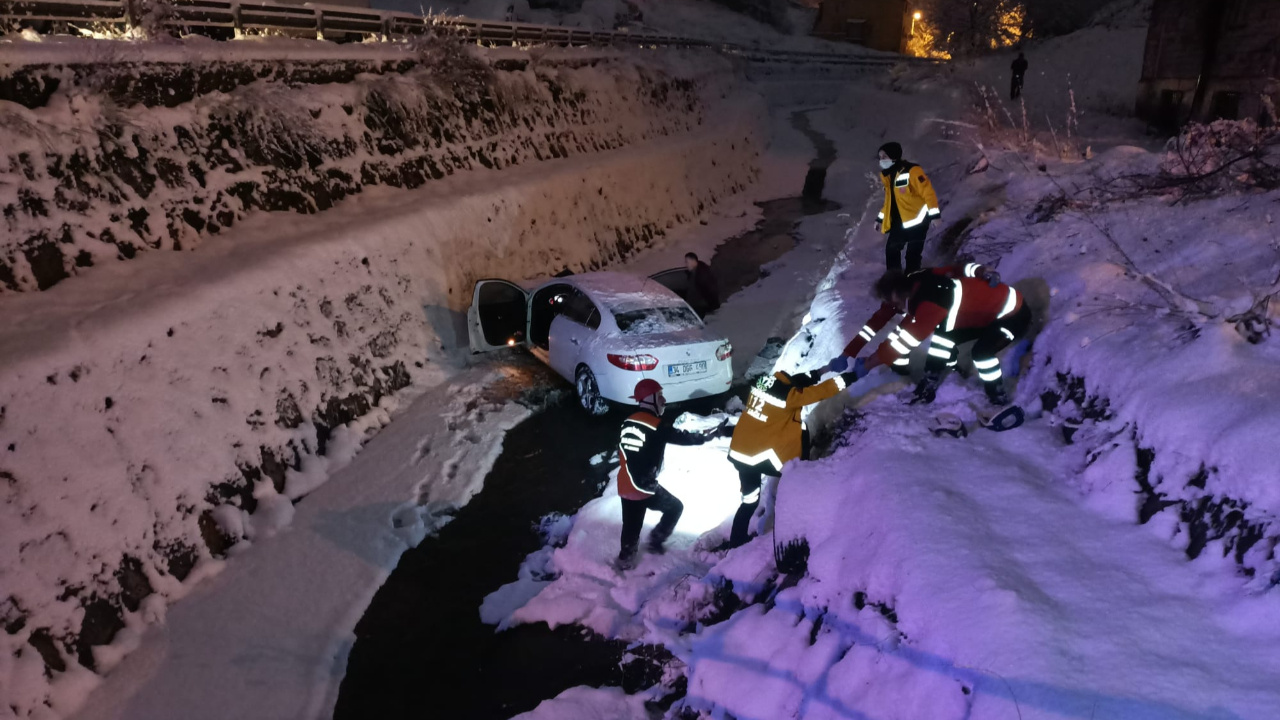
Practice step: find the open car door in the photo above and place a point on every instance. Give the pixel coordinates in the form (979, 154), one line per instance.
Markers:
(676, 280)
(498, 316)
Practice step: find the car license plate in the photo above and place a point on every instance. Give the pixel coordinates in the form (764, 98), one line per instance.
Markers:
(682, 369)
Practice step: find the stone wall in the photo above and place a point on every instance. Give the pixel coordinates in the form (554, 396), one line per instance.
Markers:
(102, 163)
(156, 413)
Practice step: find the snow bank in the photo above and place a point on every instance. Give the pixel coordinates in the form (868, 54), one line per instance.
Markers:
(581, 703)
(1142, 293)
(107, 158)
(1006, 574)
(162, 413)
(1088, 79)
(943, 582)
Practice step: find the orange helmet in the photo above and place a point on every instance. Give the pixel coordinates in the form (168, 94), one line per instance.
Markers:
(646, 389)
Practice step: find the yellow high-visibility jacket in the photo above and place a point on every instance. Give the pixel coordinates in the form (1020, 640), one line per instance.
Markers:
(916, 198)
(769, 430)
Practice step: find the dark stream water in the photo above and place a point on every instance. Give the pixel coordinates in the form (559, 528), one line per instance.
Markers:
(421, 650)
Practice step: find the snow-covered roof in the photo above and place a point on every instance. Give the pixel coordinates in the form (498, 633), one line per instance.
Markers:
(621, 291)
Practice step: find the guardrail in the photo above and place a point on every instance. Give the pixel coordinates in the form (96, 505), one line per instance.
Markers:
(225, 19)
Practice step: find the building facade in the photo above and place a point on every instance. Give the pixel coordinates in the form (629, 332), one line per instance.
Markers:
(877, 24)
(1210, 59)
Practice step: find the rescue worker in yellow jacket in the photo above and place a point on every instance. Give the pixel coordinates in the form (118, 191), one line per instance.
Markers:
(770, 433)
(910, 205)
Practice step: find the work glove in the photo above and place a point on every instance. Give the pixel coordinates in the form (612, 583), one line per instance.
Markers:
(725, 429)
(839, 364)
(992, 277)
(860, 368)
(856, 372)
(718, 431)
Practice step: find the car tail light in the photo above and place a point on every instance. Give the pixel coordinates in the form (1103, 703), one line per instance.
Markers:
(634, 362)
(725, 351)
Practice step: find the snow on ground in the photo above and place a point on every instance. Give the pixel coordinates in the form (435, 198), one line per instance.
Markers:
(1097, 67)
(583, 703)
(268, 637)
(349, 532)
(391, 114)
(1001, 575)
(128, 393)
(1008, 599)
(1176, 373)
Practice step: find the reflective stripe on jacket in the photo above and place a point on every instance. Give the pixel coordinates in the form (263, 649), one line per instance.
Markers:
(944, 300)
(915, 197)
(769, 431)
(642, 449)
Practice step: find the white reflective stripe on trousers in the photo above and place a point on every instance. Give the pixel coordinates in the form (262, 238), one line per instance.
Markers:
(954, 312)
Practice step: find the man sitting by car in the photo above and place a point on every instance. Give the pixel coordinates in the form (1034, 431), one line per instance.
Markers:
(704, 293)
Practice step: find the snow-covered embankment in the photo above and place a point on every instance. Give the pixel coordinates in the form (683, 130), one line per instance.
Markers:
(1040, 573)
(157, 413)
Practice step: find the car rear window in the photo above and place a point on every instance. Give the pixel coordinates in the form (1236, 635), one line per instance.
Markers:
(650, 321)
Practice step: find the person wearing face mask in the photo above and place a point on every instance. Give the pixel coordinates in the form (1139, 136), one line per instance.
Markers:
(642, 446)
(910, 205)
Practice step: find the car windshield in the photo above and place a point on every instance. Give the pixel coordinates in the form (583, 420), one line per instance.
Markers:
(650, 321)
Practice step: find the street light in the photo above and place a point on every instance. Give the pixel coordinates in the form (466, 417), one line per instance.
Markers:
(916, 16)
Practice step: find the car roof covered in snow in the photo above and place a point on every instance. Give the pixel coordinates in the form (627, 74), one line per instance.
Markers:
(620, 292)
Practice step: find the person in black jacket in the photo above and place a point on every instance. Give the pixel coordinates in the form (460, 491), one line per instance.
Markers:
(642, 446)
(704, 293)
(1019, 68)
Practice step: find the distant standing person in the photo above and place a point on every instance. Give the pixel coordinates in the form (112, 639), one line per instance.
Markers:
(910, 204)
(704, 293)
(1019, 68)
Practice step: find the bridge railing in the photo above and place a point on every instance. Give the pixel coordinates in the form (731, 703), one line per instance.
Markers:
(225, 19)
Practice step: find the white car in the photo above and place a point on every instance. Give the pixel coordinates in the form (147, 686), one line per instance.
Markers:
(604, 332)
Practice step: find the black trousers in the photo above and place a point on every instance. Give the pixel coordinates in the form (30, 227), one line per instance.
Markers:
(1015, 87)
(750, 479)
(633, 519)
(912, 239)
(944, 346)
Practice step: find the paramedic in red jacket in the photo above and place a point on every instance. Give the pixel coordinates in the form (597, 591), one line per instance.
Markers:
(642, 447)
(944, 307)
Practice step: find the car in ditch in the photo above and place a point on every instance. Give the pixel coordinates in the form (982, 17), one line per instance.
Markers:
(604, 332)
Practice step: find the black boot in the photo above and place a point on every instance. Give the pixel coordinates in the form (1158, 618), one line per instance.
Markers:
(625, 561)
(927, 389)
(997, 396)
(742, 524)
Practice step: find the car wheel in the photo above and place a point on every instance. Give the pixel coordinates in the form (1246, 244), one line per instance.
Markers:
(589, 393)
